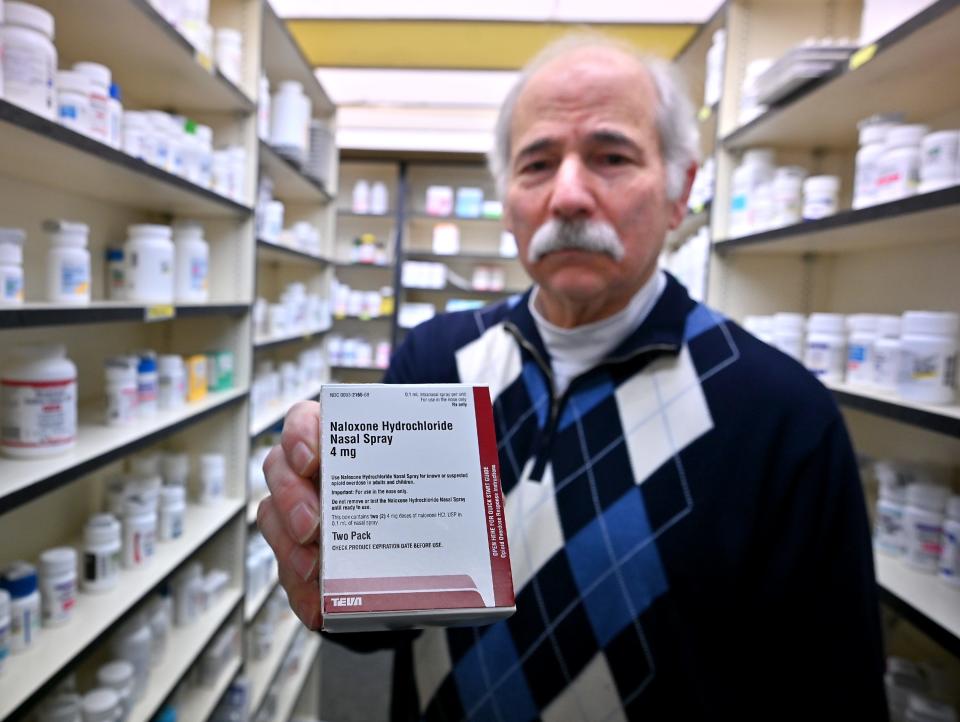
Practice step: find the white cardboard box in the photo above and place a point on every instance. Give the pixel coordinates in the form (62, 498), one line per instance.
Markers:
(413, 531)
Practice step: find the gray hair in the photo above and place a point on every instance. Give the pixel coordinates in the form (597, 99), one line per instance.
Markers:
(675, 120)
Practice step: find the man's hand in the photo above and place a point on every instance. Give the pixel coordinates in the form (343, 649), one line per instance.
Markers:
(290, 517)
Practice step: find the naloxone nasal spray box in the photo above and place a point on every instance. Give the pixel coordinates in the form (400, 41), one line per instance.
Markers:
(413, 530)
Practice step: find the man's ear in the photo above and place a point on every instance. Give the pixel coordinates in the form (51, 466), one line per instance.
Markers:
(678, 209)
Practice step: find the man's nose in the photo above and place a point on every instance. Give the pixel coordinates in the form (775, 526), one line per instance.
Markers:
(571, 199)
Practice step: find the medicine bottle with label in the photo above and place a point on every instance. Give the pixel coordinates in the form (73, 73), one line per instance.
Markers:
(99, 94)
(121, 391)
(73, 101)
(115, 106)
(825, 353)
(148, 386)
(19, 580)
(4, 628)
(139, 532)
(119, 676)
(29, 58)
(192, 263)
(923, 524)
(58, 585)
(11, 266)
(860, 342)
(898, 167)
(212, 478)
(173, 382)
(149, 271)
(950, 555)
(820, 196)
(928, 358)
(68, 262)
(889, 533)
(173, 504)
(101, 553)
(886, 353)
(38, 402)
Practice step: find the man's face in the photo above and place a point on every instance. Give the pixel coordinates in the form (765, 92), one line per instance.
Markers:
(584, 147)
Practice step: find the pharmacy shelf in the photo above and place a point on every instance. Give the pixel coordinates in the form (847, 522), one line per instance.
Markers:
(450, 290)
(283, 60)
(290, 184)
(290, 692)
(253, 605)
(361, 319)
(38, 150)
(942, 419)
(252, 507)
(294, 337)
(52, 314)
(347, 213)
(359, 368)
(200, 702)
(447, 257)
(913, 68)
(98, 445)
(150, 59)
(184, 647)
(94, 614)
(919, 219)
(923, 599)
(358, 265)
(425, 219)
(262, 672)
(274, 413)
(278, 253)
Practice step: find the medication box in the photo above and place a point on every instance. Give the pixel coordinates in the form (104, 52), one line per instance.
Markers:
(413, 531)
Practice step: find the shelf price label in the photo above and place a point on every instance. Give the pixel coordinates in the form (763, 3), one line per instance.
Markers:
(159, 312)
(205, 61)
(704, 114)
(862, 56)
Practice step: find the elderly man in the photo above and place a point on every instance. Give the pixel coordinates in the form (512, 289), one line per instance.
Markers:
(686, 522)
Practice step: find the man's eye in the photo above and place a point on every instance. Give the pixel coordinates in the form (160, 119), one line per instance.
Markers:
(535, 166)
(613, 159)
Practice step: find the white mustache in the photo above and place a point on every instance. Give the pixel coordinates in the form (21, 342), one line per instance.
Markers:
(591, 236)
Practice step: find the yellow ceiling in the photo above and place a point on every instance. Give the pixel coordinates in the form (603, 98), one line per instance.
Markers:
(466, 45)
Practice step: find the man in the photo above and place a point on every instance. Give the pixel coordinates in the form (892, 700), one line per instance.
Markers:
(686, 522)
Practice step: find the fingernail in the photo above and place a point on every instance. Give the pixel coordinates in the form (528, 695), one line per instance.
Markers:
(303, 522)
(301, 458)
(304, 561)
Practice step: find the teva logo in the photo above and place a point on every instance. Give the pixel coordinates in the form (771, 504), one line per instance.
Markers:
(347, 601)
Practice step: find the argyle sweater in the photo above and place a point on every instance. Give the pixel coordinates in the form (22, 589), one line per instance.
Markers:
(686, 525)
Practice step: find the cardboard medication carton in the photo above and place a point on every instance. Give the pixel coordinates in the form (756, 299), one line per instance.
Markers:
(413, 530)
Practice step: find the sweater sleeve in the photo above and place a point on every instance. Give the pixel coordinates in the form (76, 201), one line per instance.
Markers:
(816, 596)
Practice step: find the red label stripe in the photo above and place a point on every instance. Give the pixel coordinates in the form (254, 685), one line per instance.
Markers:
(37, 384)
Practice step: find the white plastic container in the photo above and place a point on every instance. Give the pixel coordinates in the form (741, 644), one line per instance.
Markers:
(136, 127)
(939, 160)
(156, 148)
(923, 525)
(99, 94)
(68, 262)
(4, 628)
(121, 391)
(755, 168)
(950, 555)
(886, 353)
(148, 387)
(889, 533)
(898, 168)
(73, 101)
(272, 221)
(192, 260)
(11, 266)
(119, 676)
(928, 358)
(787, 197)
(133, 645)
(820, 196)
(101, 553)
(205, 151)
(229, 53)
(213, 470)
(61, 707)
(38, 402)
(873, 136)
(58, 585)
(139, 532)
(263, 109)
(115, 108)
(289, 118)
(19, 579)
(862, 336)
(379, 198)
(788, 334)
(149, 254)
(175, 468)
(825, 349)
(173, 505)
(172, 382)
(184, 593)
(29, 58)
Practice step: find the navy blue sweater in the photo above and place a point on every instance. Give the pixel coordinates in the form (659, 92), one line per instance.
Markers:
(687, 532)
